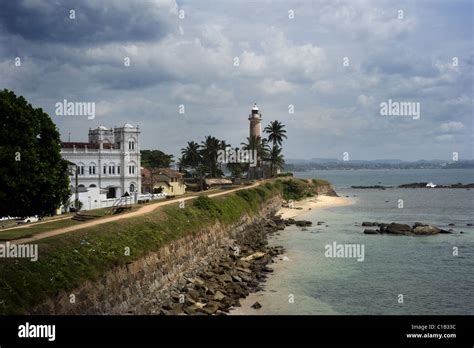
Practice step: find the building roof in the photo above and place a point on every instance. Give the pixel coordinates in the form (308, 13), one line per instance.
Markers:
(148, 172)
(128, 125)
(81, 145)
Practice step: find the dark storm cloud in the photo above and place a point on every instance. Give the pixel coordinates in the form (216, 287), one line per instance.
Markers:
(95, 22)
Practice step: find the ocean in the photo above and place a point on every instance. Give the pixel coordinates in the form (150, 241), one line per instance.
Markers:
(399, 274)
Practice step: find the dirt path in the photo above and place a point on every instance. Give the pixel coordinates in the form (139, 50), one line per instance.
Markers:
(142, 211)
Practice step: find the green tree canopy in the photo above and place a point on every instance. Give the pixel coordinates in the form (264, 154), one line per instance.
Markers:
(155, 159)
(33, 176)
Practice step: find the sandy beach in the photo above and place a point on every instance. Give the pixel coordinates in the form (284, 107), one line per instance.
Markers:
(310, 203)
(319, 202)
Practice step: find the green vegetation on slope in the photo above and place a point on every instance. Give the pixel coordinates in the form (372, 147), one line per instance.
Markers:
(67, 260)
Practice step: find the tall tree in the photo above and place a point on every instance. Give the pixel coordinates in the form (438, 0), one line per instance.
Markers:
(191, 157)
(33, 175)
(209, 148)
(260, 146)
(276, 133)
(156, 159)
(276, 159)
(257, 143)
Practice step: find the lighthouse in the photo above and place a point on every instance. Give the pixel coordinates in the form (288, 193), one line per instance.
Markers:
(255, 119)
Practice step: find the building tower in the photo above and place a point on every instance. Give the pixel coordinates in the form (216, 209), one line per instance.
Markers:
(255, 119)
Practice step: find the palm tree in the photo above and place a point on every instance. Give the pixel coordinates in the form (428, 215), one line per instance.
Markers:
(209, 148)
(276, 132)
(191, 157)
(256, 144)
(276, 159)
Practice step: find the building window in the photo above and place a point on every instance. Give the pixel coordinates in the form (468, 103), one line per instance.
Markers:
(131, 145)
(111, 170)
(92, 170)
(80, 170)
(105, 169)
(132, 188)
(131, 169)
(118, 169)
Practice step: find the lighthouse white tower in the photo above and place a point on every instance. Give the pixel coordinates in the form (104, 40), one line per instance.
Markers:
(255, 119)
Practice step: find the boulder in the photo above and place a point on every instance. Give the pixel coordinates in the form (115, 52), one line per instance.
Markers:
(218, 296)
(370, 231)
(395, 228)
(367, 223)
(303, 223)
(254, 256)
(428, 229)
(256, 305)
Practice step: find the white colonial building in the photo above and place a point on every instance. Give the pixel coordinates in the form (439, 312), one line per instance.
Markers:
(109, 162)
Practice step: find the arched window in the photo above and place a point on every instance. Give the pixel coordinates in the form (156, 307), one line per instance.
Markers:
(131, 168)
(111, 168)
(92, 185)
(80, 168)
(132, 188)
(92, 170)
(105, 168)
(131, 145)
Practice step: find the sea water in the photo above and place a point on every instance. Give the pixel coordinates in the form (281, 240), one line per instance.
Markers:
(399, 274)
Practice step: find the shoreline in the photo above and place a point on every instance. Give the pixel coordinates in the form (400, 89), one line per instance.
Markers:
(308, 204)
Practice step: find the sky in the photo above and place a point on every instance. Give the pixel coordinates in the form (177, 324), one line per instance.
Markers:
(330, 62)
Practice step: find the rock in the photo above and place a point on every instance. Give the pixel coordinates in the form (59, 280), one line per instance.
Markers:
(254, 256)
(237, 278)
(395, 228)
(218, 296)
(193, 294)
(469, 224)
(303, 223)
(428, 229)
(451, 225)
(416, 224)
(370, 231)
(210, 308)
(267, 269)
(224, 278)
(367, 223)
(256, 305)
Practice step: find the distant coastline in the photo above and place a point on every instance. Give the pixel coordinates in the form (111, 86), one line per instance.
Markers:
(335, 164)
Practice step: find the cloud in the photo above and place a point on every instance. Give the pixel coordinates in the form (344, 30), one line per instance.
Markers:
(282, 61)
(451, 127)
(271, 87)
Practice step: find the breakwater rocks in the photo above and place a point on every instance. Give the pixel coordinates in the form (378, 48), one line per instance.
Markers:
(418, 228)
(220, 286)
(208, 266)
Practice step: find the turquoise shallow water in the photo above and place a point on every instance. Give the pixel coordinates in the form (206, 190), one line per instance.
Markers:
(423, 268)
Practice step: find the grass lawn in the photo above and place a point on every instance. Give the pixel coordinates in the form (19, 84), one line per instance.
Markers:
(36, 228)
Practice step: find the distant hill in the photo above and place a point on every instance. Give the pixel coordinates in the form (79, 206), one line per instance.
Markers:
(333, 163)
